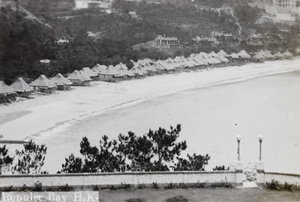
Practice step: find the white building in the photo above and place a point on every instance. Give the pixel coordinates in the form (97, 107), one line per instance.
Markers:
(285, 3)
(162, 41)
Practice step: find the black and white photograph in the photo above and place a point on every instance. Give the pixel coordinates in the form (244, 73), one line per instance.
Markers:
(149, 100)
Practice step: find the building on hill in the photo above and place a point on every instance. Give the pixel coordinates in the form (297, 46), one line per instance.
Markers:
(84, 4)
(133, 14)
(211, 41)
(224, 37)
(285, 3)
(263, 39)
(166, 42)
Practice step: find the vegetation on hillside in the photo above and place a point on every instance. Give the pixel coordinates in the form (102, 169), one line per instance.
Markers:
(24, 41)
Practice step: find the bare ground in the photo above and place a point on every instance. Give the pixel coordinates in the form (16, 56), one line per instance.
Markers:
(195, 195)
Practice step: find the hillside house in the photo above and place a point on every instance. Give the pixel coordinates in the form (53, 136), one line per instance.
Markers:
(285, 3)
(262, 39)
(257, 39)
(133, 14)
(206, 41)
(223, 37)
(166, 42)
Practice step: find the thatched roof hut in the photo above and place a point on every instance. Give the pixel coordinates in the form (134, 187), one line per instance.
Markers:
(90, 73)
(123, 71)
(43, 84)
(99, 68)
(78, 79)
(222, 53)
(21, 87)
(287, 54)
(109, 74)
(278, 55)
(61, 82)
(6, 93)
(243, 55)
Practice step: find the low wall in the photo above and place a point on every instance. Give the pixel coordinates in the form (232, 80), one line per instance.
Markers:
(282, 178)
(108, 179)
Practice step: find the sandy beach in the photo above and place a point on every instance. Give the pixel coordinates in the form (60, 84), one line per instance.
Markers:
(260, 98)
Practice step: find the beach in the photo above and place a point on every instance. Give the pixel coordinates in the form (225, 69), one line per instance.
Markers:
(212, 105)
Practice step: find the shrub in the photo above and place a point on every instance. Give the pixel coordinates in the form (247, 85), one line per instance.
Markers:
(65, 188)
(198, 185)
(183, 185)
(141, 186)
(37, 186)
(125, 186)
(155, 186)
(95, 188)
(221, 185)
(177, 199)
(170, 186)
(273, 185)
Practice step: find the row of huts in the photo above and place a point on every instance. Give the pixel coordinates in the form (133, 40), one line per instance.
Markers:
(141, 68)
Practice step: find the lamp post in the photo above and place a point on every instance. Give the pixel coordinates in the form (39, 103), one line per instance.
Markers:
(238, 138)
(260, 139)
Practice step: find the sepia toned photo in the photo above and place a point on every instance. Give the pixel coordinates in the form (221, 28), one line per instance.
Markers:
(149, 100)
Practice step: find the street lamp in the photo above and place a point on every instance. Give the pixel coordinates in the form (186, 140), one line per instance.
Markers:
(238, 138)
(260, 138)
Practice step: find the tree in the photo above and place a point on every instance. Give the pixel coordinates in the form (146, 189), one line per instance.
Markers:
(107, 160)
(5, 159)
(72, 165)
(124, 149)
(90, 156)
(165, 147)
(193, 163)
(141, 154)
(30, 159)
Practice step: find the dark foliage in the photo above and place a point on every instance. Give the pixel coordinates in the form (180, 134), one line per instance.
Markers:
(193, 163)
(30, 159)
(221, 168)
(154, 151)
(165, 147)
(5, 159)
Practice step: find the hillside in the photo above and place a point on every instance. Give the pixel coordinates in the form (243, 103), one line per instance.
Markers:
(29, 36)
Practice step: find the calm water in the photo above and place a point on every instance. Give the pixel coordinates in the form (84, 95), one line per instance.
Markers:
(210, 118)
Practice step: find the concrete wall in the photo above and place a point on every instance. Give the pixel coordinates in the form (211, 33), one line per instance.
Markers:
(282, 178)
(108, 179)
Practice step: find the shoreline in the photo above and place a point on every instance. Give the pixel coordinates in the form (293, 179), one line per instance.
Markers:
(15, 114)
(51, 116)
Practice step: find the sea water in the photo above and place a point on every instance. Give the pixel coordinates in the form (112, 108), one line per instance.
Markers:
(211, 118)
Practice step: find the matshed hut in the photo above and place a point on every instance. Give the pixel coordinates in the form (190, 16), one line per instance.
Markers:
(222, 53)
(278, 55)
(243, 55)
(78, 79)
(22, 88)
(287, 54)
(123, 71)
(138, 73)
(109, 74)
(61, 82)
(7, 93)
(87, 71)
(234, 56)
(99, 68)
(43, 85)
